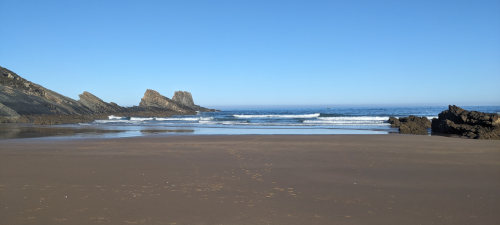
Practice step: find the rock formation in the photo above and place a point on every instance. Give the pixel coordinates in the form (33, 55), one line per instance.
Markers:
(411, 124)
(27, 102)
(6, 111)
(7, 114)
(394, 122)
(153, 99)
(465, 123)
(185, 99)
(97, 105)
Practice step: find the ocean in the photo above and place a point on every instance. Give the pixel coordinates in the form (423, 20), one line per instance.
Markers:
(269, 120)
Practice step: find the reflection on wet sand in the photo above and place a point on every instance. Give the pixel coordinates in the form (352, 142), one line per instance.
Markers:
(8, 131)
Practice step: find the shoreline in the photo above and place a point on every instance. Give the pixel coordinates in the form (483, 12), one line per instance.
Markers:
(299, 121)
(174, 133)
(251, 179)
(75, 131)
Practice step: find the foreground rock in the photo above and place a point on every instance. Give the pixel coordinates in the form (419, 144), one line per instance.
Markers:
(471, 124)
(411, 124)
(26, 102)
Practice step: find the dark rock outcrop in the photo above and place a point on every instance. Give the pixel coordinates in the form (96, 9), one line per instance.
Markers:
(471, 124)
(97, 105)
(394, 121)
(411, 124)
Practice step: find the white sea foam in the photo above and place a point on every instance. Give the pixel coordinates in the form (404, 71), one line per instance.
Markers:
(112, 117)
(350, 121)
(234, 123)
(278, 116)
(346, 122)
(428, 117)
(355, 118)
(205, 121)
(141, 118)
(177, 119)
(211, 122)
(114, 121)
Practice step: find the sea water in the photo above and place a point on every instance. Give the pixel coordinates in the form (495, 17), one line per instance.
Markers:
(274, 120)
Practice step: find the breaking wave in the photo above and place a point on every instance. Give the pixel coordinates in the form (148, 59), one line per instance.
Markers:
(177, 119)
(212, 122)
(313, 115)
(355, 118)
(116, 117)
(254, 119)
(141, 118)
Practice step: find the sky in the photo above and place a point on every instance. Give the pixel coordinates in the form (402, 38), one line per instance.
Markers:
(252, 52)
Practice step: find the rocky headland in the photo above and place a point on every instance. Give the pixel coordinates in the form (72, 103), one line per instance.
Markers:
(26, 102)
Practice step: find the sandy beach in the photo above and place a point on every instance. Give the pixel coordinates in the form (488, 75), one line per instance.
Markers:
(273, 179)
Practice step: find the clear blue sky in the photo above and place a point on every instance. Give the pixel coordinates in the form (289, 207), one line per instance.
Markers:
(259, 52)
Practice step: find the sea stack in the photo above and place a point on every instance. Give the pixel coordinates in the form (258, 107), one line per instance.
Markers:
(185, 99)
(153, 99)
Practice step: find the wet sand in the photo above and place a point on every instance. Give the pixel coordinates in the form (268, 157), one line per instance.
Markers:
(296, 179)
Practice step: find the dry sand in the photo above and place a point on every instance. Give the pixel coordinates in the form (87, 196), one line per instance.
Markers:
(329, 179)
